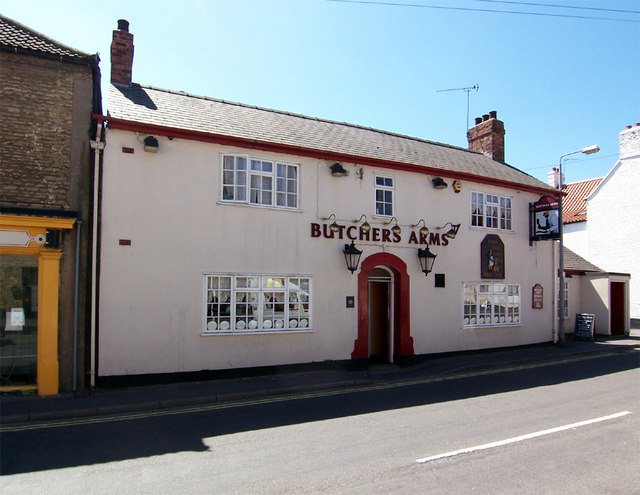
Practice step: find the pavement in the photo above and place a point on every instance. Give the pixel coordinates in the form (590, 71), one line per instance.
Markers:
(15, 409)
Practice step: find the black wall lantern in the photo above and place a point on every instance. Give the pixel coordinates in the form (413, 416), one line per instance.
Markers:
(426, 258)
(337, 170)
(151, 144)
(439, 183)
(352, 256)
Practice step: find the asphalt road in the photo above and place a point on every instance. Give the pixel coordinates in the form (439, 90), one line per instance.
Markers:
(366, 441)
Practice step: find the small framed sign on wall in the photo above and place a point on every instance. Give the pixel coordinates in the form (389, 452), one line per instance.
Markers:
(492, 257)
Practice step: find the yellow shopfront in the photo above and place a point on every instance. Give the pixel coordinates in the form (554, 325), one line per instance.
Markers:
(29, 292)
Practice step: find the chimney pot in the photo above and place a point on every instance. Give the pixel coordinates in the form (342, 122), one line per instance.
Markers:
(493, 114)
(485, 117)
(478, 120)
(123, 25)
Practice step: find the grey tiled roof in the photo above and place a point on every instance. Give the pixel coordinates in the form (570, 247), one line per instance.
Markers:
(573, 261)
(149, 105)
(16, 37)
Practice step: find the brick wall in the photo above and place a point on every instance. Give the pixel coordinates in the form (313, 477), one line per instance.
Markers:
(487, 137)
(36, 109)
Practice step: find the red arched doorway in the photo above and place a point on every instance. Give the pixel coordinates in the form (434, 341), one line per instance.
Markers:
(398, 296)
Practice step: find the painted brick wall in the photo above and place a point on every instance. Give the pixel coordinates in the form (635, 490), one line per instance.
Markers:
(36, 109)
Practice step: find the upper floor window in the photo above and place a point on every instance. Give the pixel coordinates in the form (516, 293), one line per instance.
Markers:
(259, 182)
(384, 195)
(491, 211)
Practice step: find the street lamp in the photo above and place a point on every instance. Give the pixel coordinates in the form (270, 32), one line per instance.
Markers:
(589, 150)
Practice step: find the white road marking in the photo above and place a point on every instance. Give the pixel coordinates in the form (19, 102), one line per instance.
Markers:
(523, 437)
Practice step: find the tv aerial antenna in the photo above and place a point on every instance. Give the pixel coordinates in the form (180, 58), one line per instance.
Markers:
(475, 87)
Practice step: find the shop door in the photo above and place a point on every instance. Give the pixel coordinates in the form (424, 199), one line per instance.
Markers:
(380, 316)
(617, 308)
(18, 320)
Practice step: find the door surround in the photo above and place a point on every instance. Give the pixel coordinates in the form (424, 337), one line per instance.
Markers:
(403, 342)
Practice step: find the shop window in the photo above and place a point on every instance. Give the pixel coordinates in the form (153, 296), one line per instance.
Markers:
(256, 303)
(384, 195)
(491, 304)
(259, 182)
(491, 211)
(19, 320)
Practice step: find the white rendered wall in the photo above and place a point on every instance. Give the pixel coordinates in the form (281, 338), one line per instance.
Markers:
(576, 238)
(167, 205)
(614, 218)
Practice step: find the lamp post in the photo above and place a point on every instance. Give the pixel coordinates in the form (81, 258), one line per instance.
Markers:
(589, 150)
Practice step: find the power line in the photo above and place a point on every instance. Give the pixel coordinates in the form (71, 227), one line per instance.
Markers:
(555, 6)
(494, 11)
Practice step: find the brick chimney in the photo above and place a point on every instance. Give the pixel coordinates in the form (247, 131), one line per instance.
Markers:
(630, 141)
(122, 54)
(487, 136)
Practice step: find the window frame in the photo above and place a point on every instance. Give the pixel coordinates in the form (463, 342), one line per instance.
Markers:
(283, 190)
(384, 188)
(491, 211)
(504, 305)
(256, 303)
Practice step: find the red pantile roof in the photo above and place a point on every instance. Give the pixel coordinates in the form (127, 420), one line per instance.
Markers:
(574, 204)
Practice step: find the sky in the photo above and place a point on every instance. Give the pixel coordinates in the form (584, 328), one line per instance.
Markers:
(562, 75)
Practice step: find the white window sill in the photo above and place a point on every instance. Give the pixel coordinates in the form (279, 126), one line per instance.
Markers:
(258, 332)
(251, 205)
(492, 229)
(489, 325)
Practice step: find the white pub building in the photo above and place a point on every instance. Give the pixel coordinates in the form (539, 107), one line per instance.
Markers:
(237, 237)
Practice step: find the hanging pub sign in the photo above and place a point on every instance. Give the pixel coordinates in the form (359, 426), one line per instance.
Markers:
(544, 217)
(492, 257)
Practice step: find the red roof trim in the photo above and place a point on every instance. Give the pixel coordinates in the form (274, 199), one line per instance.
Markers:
(129, 125)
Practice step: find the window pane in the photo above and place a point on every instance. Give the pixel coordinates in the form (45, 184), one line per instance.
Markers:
(19, 310)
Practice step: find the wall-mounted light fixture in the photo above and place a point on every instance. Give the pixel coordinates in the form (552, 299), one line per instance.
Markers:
(334, 227)
(365, 225)
(423, 230)
(453, 231)
(337, 170)
(351, 256)
(426, 259)
(396, 228)
(439, 183)
(151, 144)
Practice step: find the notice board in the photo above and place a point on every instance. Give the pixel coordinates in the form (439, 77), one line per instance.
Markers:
(585, 326)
